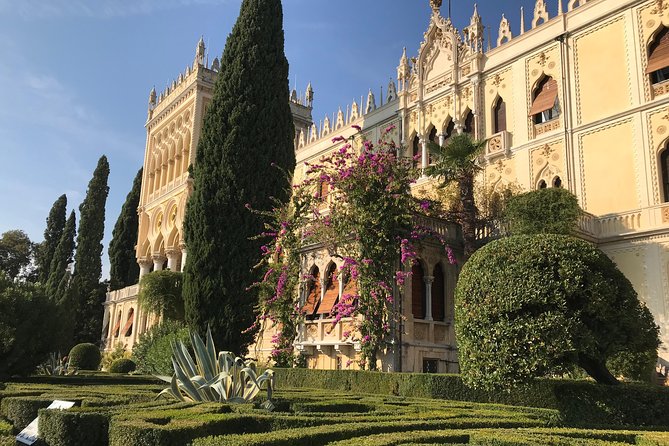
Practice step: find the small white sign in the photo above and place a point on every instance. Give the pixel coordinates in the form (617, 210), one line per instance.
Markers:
(29, 434)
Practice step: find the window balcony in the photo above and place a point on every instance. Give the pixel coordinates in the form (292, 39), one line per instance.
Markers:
(499, 144)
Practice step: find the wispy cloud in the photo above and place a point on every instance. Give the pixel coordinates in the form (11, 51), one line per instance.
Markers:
(47, 9)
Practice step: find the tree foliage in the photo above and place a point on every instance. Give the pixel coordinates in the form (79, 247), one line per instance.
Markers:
(457, 163)
(27, 325)
(234, 167)
(124, 270)
(88, 259)
(59, 279)
(527, 306)
(544, 211)
(16, 254)
(153, 352)
(55, 224)
(160, 292)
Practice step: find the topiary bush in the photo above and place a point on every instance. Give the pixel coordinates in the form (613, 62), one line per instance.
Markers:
(85, 357)
(160, 293)
(153, 352)
(528, 306)
(27, 327)
(123, 365)
(543, 211)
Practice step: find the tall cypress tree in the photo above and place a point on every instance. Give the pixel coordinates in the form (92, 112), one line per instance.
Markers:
(55, 223)
(88, 259)
(233, 167)
(62, 257)
(124, 270)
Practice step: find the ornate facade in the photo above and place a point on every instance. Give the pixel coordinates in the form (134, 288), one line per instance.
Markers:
(579, 100)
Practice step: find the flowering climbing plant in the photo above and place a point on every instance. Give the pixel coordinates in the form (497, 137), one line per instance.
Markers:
(356, 203)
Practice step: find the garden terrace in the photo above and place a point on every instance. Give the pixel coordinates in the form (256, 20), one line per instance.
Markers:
(128, 414)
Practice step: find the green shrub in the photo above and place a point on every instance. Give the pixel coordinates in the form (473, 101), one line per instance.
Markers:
(21, 410)
(153, 352)
(122, 365)
(85, 357)
(118, 352)
(543, 211)
(27, 327)
(73, 428)
(529, 306)
(160, 293)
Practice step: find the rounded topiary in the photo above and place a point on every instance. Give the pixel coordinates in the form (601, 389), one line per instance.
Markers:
(122, 365)
(85, 357)
(530, 306)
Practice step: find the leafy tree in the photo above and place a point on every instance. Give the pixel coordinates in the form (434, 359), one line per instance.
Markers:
(88, 259)
(124, 270)
(27, 325)
(55, 224)
(527, 306)
(543, 211)
(235, 166)
(457, 162)
(16, 253)
(153, 352)
(160, 293)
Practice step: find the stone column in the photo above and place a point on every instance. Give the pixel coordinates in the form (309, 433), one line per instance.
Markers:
(425, 160)
(158, 261)
(442, 139)
(428, 297)
(173, 256)
(144, 266)
(182, 247)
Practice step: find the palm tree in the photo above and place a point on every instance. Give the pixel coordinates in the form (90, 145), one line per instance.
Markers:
(457, 162)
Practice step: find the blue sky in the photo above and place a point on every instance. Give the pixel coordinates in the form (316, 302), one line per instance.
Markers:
(76, 74)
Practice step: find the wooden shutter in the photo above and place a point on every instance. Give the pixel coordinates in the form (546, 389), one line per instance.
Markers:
(314, 296)
(127, 329)
(545, 98)
(500, 116)
(115, 332)
(417, 291)
(351, 288)
(331, 293)
(438, 295)
(659, 53)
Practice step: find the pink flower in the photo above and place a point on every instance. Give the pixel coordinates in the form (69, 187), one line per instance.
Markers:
(357, 127)
(338, 139)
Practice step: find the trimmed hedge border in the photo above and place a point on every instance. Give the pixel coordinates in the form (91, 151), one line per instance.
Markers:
(579, 403)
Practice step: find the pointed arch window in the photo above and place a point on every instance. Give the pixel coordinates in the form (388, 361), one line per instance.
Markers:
(542, 185)
(127, 329)
(545, 106)
(417, 291)
(450, 128)
(331, 291)
(433, 138)
(313, 293)
(664, 171)
(499, 116)
(438, 294)
(470, 124)
(658, 57)
(557, 182)
(416, 152)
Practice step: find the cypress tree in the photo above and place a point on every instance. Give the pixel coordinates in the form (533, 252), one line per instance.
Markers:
(55, 223)
(124, 270)
(248, 128)
(88, 259)
(62, 257)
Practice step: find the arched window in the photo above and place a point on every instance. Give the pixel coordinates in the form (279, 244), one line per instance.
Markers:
(541, 185)
(127, 330)
(438, 295)
(658, 57)
(313, 293)
(449, 131)
(417, 291)
(557, 182)
(117, 326)
(435, 139)
(417, 151)
(331, 291)
(664, 170)
(499, 116)
(545, 105)
(470, 124)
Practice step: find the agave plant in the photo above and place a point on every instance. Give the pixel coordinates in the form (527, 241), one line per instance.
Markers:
(212, 377)
(56, 366)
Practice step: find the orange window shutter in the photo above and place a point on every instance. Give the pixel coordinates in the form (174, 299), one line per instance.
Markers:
(545, 99)
(116, 327)
(659, 56)
(128, 326)
(331, 295)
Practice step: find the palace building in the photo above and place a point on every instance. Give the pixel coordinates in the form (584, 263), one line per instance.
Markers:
(579, 100)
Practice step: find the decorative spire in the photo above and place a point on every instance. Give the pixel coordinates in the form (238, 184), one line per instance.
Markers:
(371, 102)
(522, 20)
(392, 91)
(505, 33)
(540, 13)
(475, 31)
(560, 8)
(309, 96)
(152, 97)
(436, 5)
(199, 52)
(215, 65)
(403, 70)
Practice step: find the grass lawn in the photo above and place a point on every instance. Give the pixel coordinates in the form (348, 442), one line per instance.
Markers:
(125, 413)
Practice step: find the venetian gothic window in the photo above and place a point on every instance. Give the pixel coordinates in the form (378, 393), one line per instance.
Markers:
(658, 57)
(499, 116)
(331, 291)
(557, 182)
(450, 128)
(470, 124)
(664, 172)
(435, 139)
(417, 291)
(545, 104)
(416, 152)
(313, 293)
(542, 185)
